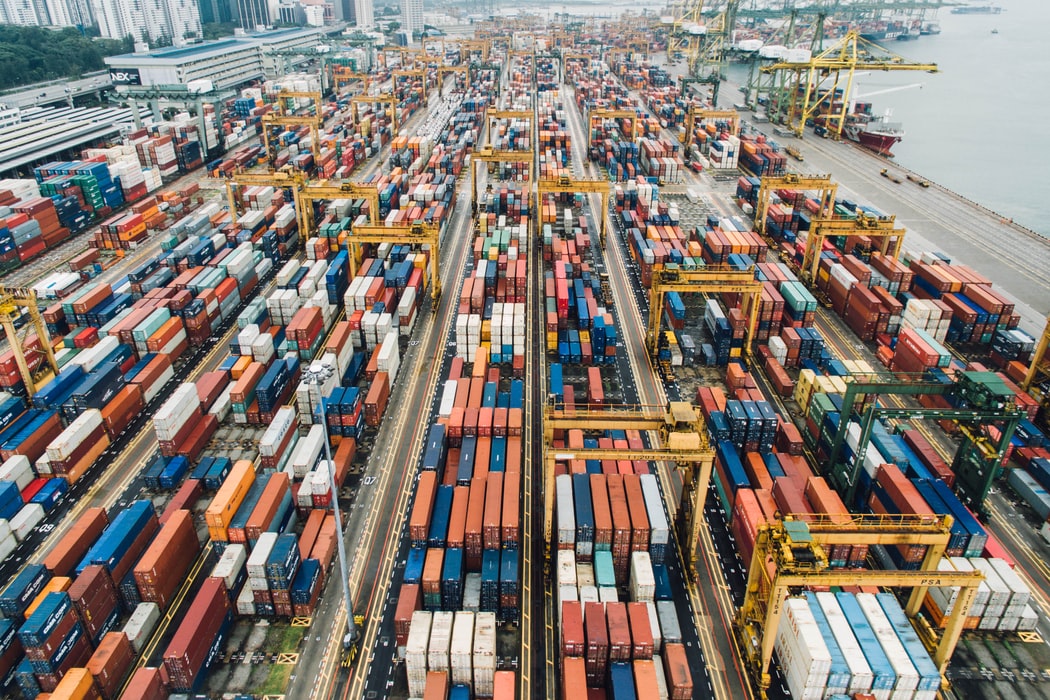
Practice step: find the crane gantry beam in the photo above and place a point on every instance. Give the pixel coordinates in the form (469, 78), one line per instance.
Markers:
(328, 189)
(805, 89)
(288, 179)
(420, 73)
(790, 554)
(683, 438)
(444, 70)
(492, 115)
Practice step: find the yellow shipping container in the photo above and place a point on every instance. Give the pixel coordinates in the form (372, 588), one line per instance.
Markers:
(239, 366)
(228, 498)
(77, 684)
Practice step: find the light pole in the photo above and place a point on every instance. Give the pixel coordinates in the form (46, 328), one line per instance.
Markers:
(351, 627)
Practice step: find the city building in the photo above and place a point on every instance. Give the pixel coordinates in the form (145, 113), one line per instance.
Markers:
(227, 63)
(411, 17)
(364, 14)
(148, 20)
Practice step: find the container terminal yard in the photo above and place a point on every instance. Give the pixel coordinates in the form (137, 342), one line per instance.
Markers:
(508, 367)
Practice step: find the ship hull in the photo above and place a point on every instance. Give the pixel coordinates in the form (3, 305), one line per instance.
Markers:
(880, 143)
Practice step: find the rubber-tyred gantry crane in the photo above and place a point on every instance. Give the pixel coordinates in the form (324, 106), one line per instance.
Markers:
(883, 229)
(488, 155)
(683, 439)
(815, 183)
(790, 554)
(385, 98)
(411, 234)
(699, 115)
(284, 117)
(37, 365)
(568, 185)
(709, 280)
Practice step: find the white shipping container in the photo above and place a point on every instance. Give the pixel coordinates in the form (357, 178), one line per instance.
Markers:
(5, 529)
(231, 564)
(26, 519)
(440, 641)
(999, 592)
(804, 658)
(1020, 594)
(566, 512)
(283, 422)
(654, 626)
(7, 545)
(654, 507)
(642, 582)
(139, 627)
(484, 656)
(222, 404)
(567, 568)
(246, 602)
(85, 426)
(307, 451)
(608, 594)
(17, 469)
(448, 398)
(461, 648)
(257, 560)
(304, 499)
(861, 676)
(907, 676)
(416, 652)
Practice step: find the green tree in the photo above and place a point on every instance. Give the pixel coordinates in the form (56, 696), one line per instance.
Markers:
(34, 54)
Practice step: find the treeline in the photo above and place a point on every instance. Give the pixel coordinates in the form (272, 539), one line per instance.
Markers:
(35, 54)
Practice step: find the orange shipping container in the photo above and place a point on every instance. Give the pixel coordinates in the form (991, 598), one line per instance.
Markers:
(310, 532)
(676, 669)
(458, 517)
(228, 499)
(511, 509)
(55, 585)
(69, 550)
(266, 508)
(77, 684)
(419, 522)
(573, 678)
(111, 663)
(125, 404)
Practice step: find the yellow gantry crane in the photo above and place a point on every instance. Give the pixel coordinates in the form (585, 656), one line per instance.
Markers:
(344, 75)
(1039, 370)
(822, 85)
(596, 116)
(412, 234)
(567, 185)
(883, 229)
(791, 555)
(285, 118)
(330, 189)
(287, 179)
(683, 436)
(385, 98)
(815, 183)
(700, 115)
(442, 71)
(492, 115)
(420, 73)
(37, 365)
(709, 280)
(488, 155)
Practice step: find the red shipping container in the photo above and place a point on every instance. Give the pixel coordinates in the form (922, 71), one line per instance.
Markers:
(184, 499)
(121, 409)
(676, 669)
(95, 598)
(163, 566)
(145, 684)
(410, 599)
(596, 655)
(188, 651)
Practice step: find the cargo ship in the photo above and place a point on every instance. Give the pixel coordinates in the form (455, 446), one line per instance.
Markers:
(977, 10)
